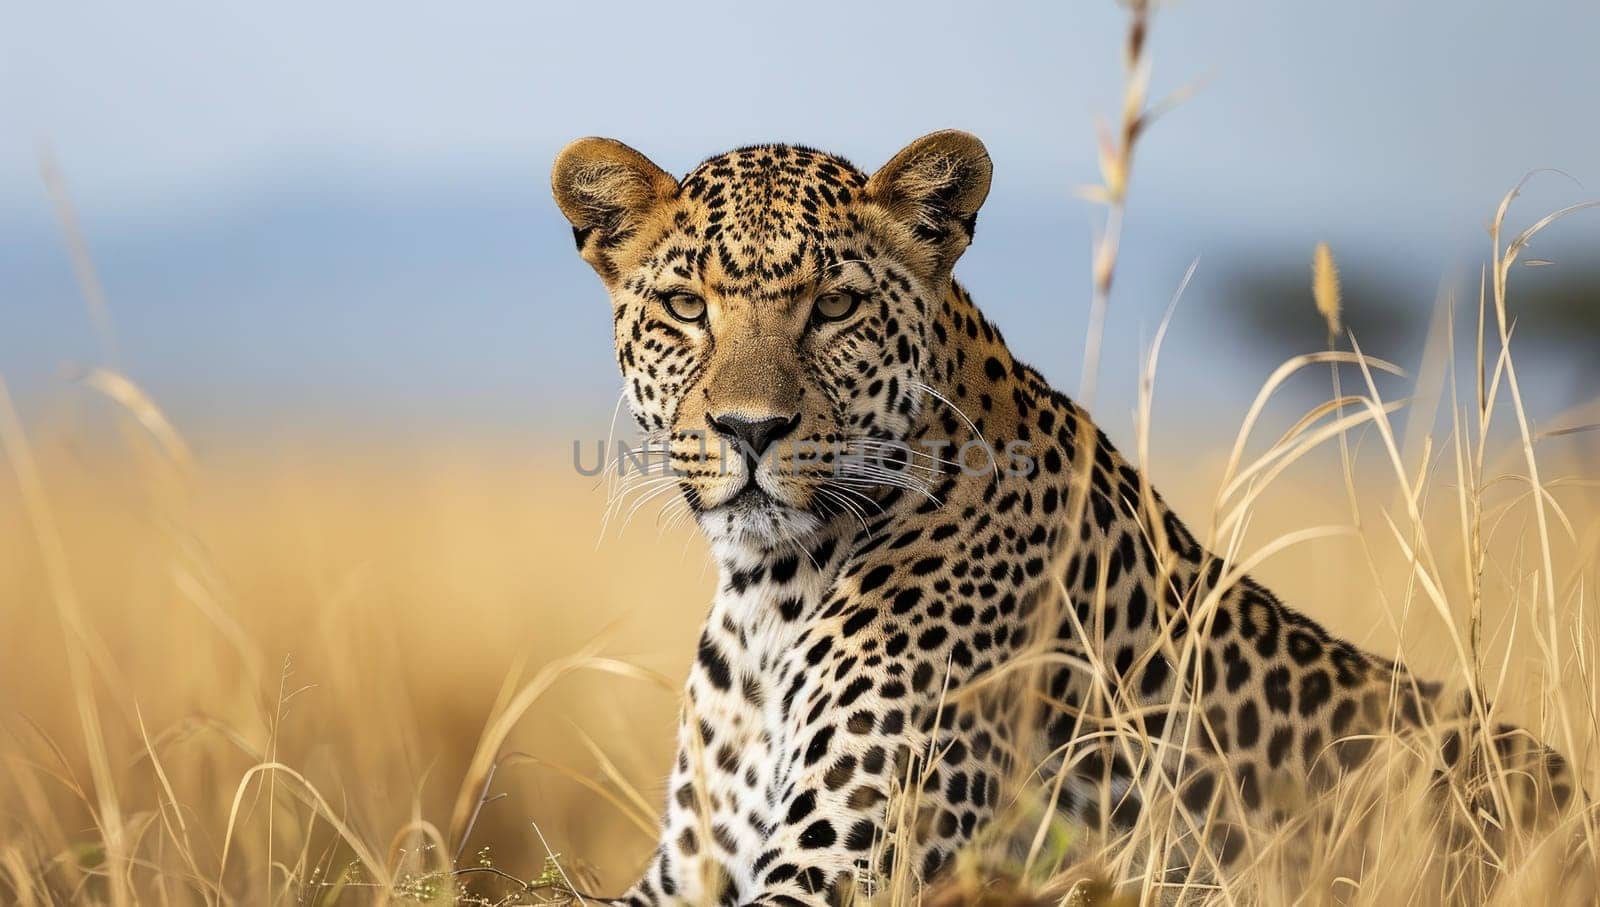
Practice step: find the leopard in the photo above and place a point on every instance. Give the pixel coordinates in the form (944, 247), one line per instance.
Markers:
(914, 532)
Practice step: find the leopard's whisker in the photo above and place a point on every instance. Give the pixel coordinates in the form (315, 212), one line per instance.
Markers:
(653, 494)
(873, 445)
(930, 391)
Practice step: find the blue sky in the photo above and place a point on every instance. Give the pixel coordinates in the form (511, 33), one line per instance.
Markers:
(315, 216)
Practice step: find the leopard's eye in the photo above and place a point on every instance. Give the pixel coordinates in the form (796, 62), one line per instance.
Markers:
(837, 305)
(684, 306)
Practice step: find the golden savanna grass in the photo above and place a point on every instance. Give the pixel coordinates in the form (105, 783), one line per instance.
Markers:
(349, 674)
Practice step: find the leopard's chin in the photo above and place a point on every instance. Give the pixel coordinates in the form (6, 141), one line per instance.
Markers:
(754, 518)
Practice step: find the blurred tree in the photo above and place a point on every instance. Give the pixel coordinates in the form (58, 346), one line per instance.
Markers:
(1271, 306)
(1557, 312)
(1555, 308)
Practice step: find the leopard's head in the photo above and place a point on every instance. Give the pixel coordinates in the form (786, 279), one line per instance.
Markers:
(774, 313)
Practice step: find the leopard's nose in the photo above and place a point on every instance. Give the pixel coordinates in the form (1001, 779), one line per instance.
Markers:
(754, 435)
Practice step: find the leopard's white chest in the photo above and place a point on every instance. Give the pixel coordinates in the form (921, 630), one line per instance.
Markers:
(749, 658)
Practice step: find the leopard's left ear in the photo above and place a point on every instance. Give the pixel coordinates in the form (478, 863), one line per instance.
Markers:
(936, 185)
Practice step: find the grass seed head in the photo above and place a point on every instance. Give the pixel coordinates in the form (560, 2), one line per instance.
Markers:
(1325, 287)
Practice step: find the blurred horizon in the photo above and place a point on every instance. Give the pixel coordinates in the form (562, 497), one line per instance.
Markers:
(315, 221)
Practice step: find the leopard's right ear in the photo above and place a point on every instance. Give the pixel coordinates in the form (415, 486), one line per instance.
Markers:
(603, 186)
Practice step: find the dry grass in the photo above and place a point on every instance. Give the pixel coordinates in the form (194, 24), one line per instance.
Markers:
(353, 618)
